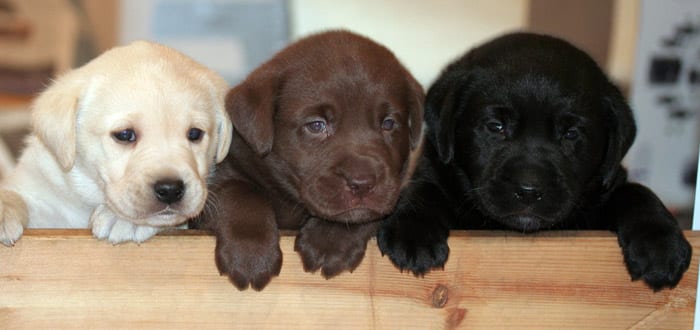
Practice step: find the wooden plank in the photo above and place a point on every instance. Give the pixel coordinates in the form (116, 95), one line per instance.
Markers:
(66, 279)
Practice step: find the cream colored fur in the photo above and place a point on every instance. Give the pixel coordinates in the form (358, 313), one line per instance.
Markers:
(73, 173)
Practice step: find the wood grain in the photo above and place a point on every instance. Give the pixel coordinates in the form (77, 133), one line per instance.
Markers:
(66, 279)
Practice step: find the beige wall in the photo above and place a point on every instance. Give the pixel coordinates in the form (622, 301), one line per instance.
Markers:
(425, 35)
(623, 41)
(103, 17)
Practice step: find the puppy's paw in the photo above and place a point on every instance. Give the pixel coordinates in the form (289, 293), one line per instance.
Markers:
(413, 248)
(13, 217)
(332, 247)
(107, 225)
(126, 231)
(248, 262)
(101, 222)
(659, 259)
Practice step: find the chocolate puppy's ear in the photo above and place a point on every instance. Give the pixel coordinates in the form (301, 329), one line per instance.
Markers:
(252, 106)
(621, 133)
(415, 112)
(443, 105)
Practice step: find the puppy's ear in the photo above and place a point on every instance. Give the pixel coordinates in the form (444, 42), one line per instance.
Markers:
(251, 106)
(224, 129)
(54, 118)
(442, 108)
(415, 111)
(621, 132)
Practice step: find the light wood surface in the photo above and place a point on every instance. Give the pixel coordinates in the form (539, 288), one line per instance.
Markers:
(66, 279)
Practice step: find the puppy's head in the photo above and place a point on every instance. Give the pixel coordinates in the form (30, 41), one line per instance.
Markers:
(145, 123)
(534, 125)
(338, 117)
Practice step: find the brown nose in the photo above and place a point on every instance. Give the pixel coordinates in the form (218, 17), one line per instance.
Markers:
(360, 174)
(360, 185)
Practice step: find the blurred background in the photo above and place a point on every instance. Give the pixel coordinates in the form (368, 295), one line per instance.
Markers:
(650, 49)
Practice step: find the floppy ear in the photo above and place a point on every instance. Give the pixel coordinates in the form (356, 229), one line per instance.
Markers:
(224, 130)
(251, 106)
(621, 132)
(442, 107)
(54, 118)
(415, 112)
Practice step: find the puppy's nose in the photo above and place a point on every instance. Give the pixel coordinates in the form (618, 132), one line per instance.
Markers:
(528, 193)
(360, 185)
(169, 191)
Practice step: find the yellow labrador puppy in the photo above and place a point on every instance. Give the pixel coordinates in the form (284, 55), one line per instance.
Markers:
(123, 145)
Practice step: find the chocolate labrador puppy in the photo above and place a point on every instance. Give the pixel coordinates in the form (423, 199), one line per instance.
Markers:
(527, 133)
(323, 141)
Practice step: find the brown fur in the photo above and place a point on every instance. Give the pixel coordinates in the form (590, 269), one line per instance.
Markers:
(331, 185)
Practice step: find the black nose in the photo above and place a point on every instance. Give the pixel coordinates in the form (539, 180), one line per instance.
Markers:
(169, 191)
(528, 193)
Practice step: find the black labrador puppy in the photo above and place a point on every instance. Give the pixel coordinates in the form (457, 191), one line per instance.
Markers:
(527, 133)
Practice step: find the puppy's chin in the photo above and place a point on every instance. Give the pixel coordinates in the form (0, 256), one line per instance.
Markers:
(142, 208)
(526, 223)
(155, 214)
(165, 218)
(340, 205)
(347, 214)
(357, 215)
(499, 204)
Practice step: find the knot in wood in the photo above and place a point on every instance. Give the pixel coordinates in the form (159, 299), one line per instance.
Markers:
(439, 298)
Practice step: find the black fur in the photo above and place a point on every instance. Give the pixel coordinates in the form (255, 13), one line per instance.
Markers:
(527, 133)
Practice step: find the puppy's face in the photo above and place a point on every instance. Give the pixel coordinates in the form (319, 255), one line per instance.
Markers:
(531, 151)
(148, 132)
(534, 135)
(345, 145)
(345, 118)
(150, 148)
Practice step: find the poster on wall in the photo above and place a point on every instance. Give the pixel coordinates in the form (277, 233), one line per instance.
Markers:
(665, 97)
(230, 36)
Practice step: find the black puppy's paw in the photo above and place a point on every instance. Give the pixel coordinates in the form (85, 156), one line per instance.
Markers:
(332, 247)
(417, 249)
(659, 259)
(248, 262)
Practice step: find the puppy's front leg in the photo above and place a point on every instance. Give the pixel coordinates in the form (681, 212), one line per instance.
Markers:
(247, 238)
(107, 225)
(652, 242)
(331, 246)
(414, 236)
(13, 217)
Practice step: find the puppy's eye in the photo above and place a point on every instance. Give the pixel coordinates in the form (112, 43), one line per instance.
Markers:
(495, 126)
(195, 134)
(125, 136)
(316, 127)
(571, 134)
(388, 124)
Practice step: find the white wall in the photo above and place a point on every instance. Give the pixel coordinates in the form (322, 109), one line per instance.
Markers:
(424, 35)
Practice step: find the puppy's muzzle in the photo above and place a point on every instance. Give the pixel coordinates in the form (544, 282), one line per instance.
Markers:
(360, 184)
(528, 183)
(169, 191)
(528, 193)
(360, 177)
